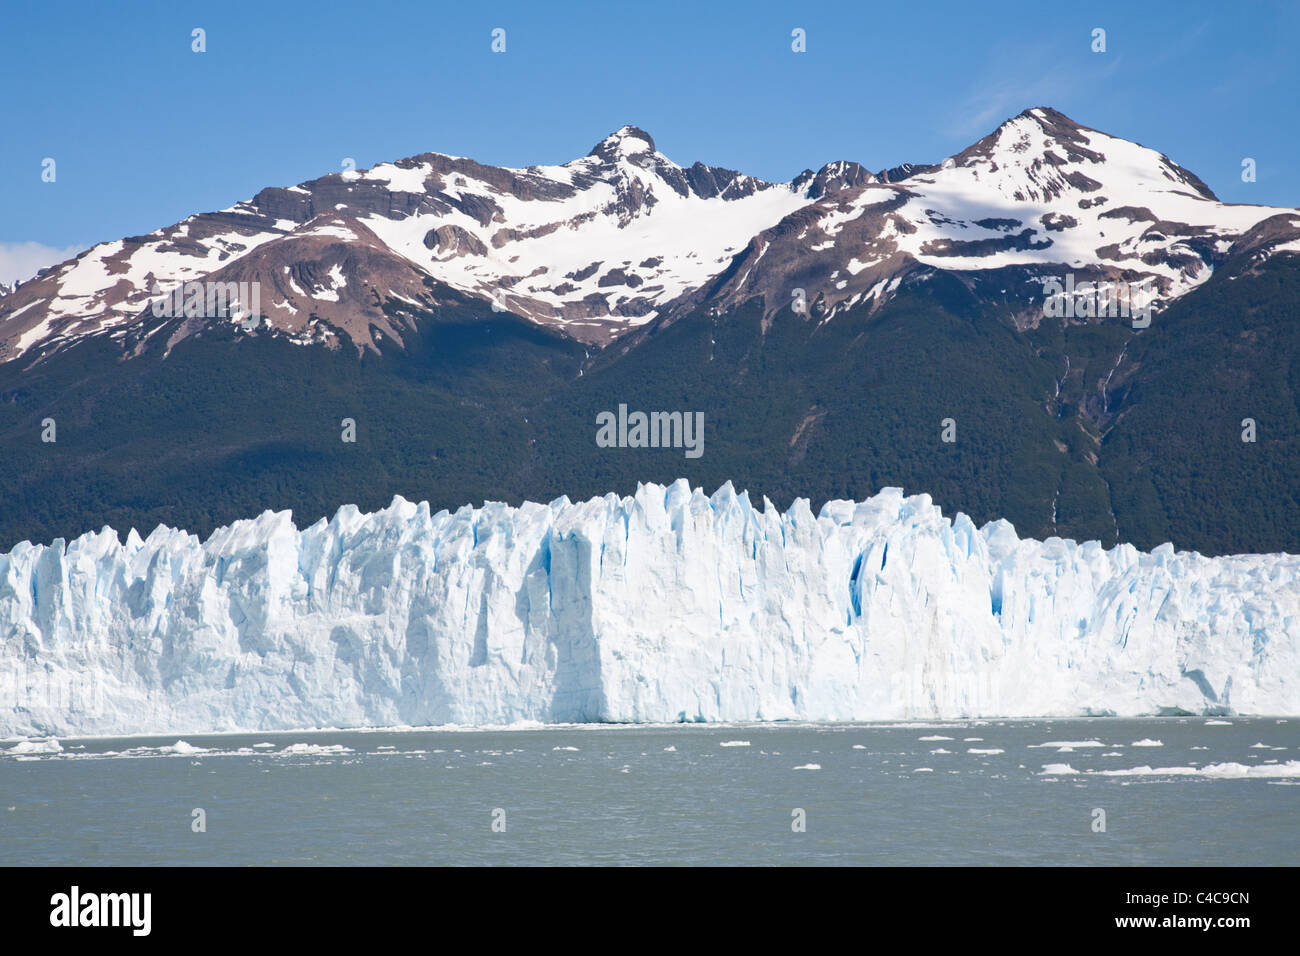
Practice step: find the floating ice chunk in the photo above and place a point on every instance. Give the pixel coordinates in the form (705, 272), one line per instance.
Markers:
(182, 747)
(1057, 770)
(1217, 770)
(50, 746)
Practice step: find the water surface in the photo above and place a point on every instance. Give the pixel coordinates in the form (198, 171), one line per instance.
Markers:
(1173, 791)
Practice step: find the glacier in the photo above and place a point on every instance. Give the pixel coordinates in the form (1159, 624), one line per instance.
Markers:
(669, 605)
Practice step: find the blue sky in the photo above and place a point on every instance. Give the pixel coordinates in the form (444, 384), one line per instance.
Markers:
(145, 132)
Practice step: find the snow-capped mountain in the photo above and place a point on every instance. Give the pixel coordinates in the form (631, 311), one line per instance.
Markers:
(1039, 197)
(592, 247)
(624, 237)
(667, 605)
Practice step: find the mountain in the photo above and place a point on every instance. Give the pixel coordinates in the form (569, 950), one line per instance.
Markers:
(593, 247)
(665, 606)
(1038, 197)
(474, 323)
(624, 236)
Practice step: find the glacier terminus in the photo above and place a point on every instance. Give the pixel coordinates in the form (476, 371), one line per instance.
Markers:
(666, 606)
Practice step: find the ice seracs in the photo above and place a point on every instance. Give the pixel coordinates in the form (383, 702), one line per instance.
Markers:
(667, 605)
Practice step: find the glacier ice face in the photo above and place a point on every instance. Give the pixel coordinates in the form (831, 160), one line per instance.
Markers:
(668, 605)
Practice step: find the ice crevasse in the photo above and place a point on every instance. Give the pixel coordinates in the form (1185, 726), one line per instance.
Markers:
(667, 605)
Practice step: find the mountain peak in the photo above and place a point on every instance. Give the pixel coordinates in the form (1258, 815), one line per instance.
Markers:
(1045, 115)
(1040, 151)
(625, 142)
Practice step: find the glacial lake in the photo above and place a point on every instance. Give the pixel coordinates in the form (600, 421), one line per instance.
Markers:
(1169, 791)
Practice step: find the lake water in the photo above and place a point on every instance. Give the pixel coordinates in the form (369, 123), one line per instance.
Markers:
(1173, 791)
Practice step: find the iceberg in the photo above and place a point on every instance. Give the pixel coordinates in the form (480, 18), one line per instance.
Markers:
(666, 606)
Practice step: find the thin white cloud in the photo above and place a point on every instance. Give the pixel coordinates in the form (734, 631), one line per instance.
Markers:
(1040, 79)
(1015, 78)
(20, 261)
